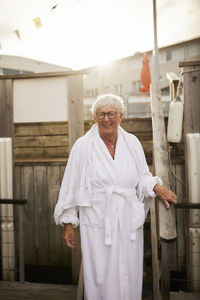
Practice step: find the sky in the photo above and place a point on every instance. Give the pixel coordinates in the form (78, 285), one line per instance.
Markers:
(83, 33)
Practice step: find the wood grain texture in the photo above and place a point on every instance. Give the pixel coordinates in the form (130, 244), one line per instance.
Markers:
(50, 140)
(54, 232)
(41, 210)
(167, 221)
(27, 192)
(6, 108)
(75, 108)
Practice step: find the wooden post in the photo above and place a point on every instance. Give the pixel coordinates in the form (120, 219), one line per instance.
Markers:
(154, 247)
(6, 108)
(191, 84)
(167, 225)
(75, 108)
(166, 217)
(7, 125)
(76, 129)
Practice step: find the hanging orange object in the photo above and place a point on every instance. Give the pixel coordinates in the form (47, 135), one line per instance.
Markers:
(145, 75)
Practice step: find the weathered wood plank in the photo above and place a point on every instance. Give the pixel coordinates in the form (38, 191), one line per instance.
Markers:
(42, 141)
(75, 108)
(167, 222)
(29, 152)
(63, 152)
(172, 245)
(191, 102)
(154, 245)
(54, 232)
(41, 212)
(27, 192)
(137, 125)
(6, 108)
(43, 128)
(12, 290)
(181, 230)
(76, 129)
(41, 152)
(17, 195)
(31, 144)
(66, 252)
(76, 258)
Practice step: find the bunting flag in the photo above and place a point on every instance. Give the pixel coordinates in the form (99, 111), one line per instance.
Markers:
(37, 22)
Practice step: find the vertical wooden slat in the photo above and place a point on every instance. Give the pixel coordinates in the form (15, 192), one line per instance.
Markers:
(6, 108)
(76, 129)
(66, 252)
(21, 244)
(167, 224)
(17, 195)
(54, 232)
(172, 245)
(181, 226)
(27, 192)
(41, 208)
(75, 108)
(154, 246)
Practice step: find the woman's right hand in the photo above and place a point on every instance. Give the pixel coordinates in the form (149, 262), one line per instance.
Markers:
(69, 235)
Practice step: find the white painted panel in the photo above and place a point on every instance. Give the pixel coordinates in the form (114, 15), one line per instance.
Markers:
(40, 99)
(193, 152)
(6, 215)
(194, 234)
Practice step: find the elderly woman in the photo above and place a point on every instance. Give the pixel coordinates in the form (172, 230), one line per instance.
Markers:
(106, 189)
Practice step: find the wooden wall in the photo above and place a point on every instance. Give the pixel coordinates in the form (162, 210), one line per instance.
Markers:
(49, 141)
(41, 151)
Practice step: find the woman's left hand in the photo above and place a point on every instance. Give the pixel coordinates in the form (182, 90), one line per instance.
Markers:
(165, 195)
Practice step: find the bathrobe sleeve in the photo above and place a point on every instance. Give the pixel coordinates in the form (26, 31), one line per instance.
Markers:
(66, 210)
(147, 180)
(69, 215)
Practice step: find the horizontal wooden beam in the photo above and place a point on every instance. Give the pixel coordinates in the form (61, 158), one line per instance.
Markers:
(189, 63)
(41, 141)
(41, 75)
(39, 129)
(13, 201)
(187, 205)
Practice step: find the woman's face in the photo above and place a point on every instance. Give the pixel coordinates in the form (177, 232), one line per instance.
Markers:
(108, 126)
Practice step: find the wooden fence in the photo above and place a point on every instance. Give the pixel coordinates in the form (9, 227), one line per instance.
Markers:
(41, 151)
(50, 142)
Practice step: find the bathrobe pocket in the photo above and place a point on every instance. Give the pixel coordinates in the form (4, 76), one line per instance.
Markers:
(94, 215)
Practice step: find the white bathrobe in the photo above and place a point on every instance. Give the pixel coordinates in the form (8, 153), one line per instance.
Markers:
(110, 196)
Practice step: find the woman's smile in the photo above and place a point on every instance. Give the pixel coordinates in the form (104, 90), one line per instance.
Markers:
(108, 126)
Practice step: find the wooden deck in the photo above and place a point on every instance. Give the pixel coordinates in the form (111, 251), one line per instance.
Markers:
(40, 291)
(36, 291)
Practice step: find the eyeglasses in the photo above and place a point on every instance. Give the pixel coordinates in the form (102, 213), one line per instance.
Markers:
(110, 114)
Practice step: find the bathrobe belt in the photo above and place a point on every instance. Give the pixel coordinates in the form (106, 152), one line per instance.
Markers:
(138, 215)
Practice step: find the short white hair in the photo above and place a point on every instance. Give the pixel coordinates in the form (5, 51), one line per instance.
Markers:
(107, 100)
